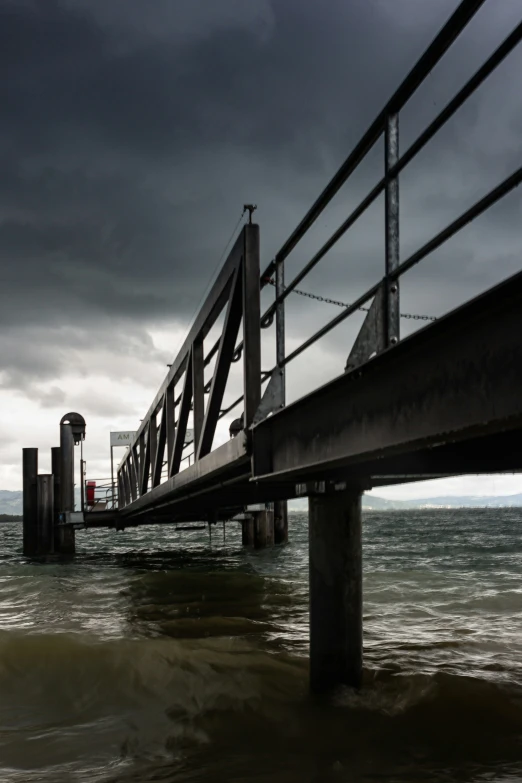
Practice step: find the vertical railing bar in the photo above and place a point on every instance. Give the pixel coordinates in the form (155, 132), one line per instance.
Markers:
(171, 421)
(133, 478)
(251, 306)
(121, 492)
(198, 389)
(221, 371)
(145, 461)
(153, 445)
(136, 461)
(160, 446)
(181, 429)
(391, 218)
(126, 483)
(280, 327)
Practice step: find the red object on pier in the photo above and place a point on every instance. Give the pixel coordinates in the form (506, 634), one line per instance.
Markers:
(91, 487)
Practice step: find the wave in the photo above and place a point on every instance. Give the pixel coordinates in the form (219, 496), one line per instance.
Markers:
(88, 704)
(191, 677)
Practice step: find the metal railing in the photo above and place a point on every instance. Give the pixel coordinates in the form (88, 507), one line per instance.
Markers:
(105, 495)
(161, 437)
(240, 281)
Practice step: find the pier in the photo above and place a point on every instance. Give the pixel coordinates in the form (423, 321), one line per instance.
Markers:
(446, 400)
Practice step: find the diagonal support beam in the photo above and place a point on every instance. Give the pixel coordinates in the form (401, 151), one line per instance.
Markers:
(136, 463)
(145, 461)
(181, 429)
(227, 348)
(160, 450)
(121, 491)
(153, 444)
(372, 336)
(198, 389)
(171, 422)
(273, 397)
(133, 476)
(126, 483)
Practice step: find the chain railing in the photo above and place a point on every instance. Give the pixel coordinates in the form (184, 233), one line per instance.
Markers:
(327, 300)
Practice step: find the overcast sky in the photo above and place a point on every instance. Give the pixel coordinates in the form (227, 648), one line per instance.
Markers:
(133, 131)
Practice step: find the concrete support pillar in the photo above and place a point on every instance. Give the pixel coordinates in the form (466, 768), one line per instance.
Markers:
(280, 522)
(247, 537)
(30, 473)
(335, 589)
(65, 538)
(45, 514)
(263, 529)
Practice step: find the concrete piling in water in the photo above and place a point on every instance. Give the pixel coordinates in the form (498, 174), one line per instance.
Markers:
(263, 529)
(335, 589)
(247, 531)
(30, 523)
(45, 514)
(280, 522)
(258, 528)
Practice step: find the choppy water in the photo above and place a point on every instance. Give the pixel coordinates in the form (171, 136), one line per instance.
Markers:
(154, 656)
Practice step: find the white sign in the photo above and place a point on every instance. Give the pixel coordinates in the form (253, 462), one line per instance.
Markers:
(122, 438)
(189, 437)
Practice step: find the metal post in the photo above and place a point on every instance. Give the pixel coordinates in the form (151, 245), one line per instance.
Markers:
(55, 469)
(112, 479)
(391, 208)
(280, 327)
(280, 522)
(65, 536)
(121, 491)
(280, 507)
(198, 389)
(45, 514)
(66, 468)
(251, 325)
(82, 484)
(335, 589)
(30, 472)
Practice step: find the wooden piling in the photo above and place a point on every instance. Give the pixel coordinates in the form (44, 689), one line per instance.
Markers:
(335, 590)
(30, 522)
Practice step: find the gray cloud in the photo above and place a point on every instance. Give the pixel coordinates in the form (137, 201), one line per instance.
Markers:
(131, 138)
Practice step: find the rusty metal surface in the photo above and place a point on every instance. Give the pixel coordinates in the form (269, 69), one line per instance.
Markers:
(458, 379)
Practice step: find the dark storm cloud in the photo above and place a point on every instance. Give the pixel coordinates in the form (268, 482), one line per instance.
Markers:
(133, 132)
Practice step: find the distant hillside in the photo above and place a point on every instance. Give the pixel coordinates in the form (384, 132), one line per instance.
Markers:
(371, 503)
(472, 501)
(11, 502)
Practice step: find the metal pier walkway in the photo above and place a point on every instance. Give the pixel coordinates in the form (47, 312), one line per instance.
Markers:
(446, 400)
